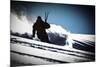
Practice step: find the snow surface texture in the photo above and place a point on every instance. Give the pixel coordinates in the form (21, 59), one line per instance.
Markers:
(30, 52)
(66, 47)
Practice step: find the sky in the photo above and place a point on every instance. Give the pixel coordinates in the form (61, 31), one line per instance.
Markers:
(74, 18)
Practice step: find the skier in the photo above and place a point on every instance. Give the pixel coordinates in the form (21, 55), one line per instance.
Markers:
(40, 26)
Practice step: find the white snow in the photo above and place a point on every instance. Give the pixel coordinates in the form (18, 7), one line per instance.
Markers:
(20, 25)
(23, 25)
(59, 55)
(57, 29)
(83, 37)
(45, 53)
(48, 44)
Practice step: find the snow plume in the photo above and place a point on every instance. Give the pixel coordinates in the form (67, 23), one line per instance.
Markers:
(58, 35)
(22, 24)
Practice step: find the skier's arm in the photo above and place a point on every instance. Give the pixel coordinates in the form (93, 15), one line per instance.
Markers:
(34, 31)
(47, 25)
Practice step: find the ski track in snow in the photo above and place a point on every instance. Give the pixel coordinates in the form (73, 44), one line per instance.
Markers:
(50, 53)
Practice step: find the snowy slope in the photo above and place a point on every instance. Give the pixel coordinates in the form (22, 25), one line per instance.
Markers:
(19, 39)
(29, 52)
(66, 47)
(56, 33)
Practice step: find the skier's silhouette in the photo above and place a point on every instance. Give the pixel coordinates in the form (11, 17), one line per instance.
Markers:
(40, 26)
